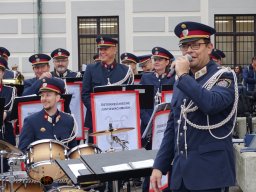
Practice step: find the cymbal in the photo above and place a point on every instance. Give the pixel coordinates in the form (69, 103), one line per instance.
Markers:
(9, 149)
(111, 131)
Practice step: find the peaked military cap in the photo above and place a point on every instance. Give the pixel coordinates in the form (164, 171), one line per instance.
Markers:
(3, 63)
(192, 31)
(60, 53)
(161, 52)
(4, 52)
(217, 54)
(143, 59)
(38, 59)
(52, 84)
(96, 57)
(129, 57)
(106, 41)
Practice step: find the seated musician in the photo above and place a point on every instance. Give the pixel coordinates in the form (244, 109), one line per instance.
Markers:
(8, 93)
(49, 123)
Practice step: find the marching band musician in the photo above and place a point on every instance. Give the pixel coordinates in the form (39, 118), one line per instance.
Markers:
(145, 63)
(96, 58)
(9, 93)
(162, 58)
(197, 144)
(8, 74)
(106, 72)
(217, 55)
(130, 59)
(49, 123)
(41, 68)
(61, 61)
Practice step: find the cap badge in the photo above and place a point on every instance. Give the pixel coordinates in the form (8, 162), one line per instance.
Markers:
(37, 59)
(44, 84)
(101, 40)
(185, 32)
(42, 129)
(59, 53)
(126, 57)
(156, 52)
(183, 26)
(36, 56)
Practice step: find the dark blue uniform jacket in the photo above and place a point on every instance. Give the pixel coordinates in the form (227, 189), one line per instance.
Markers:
(36, 127)
(97, 75)
(210, 161)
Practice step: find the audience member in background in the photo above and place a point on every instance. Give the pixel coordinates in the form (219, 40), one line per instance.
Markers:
(130, 60)
(239, 74)
(249, 77)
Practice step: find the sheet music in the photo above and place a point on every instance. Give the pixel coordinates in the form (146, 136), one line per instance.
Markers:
(76, 167)
(115, 168)
(142, 164)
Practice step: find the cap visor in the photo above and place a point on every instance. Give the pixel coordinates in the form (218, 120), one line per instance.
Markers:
(189, 40)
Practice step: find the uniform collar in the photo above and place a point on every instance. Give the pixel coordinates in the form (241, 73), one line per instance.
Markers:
(201, 72)
(109, 66)
(160, 76)
(1, 87)
(61, 75)
(52, 119)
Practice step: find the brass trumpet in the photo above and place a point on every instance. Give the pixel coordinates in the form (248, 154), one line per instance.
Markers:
(18, 80)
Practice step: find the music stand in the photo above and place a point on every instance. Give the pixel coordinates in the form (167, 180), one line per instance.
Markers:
(17, 100)
(72, 79)
(167, 87)
(160, 107)
(140, 163)
(146, 93)
(2, 104)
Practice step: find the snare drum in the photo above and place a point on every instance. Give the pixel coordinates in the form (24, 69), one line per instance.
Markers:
(66, 189)
(22, 183)
(84, 149)
(41, 156)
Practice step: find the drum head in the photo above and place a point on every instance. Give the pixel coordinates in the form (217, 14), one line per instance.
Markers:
(45, 172)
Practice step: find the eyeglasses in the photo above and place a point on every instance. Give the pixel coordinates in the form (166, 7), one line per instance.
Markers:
(194, 46)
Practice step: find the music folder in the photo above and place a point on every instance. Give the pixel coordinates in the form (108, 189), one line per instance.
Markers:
(146, 93)
(17, 100)
(160, 107)
(73, 79)
(167, 87)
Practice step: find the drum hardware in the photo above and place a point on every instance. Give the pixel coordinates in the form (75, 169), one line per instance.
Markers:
(6, 151)
(113, 139)
(19, 181)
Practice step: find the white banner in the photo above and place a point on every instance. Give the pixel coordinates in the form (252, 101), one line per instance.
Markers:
(121, 109)
(167, 96)
(76, 106)
(158, 128)
(26, 109)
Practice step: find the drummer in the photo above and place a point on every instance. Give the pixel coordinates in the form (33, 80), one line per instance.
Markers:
(49, 123)
(8, 93)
